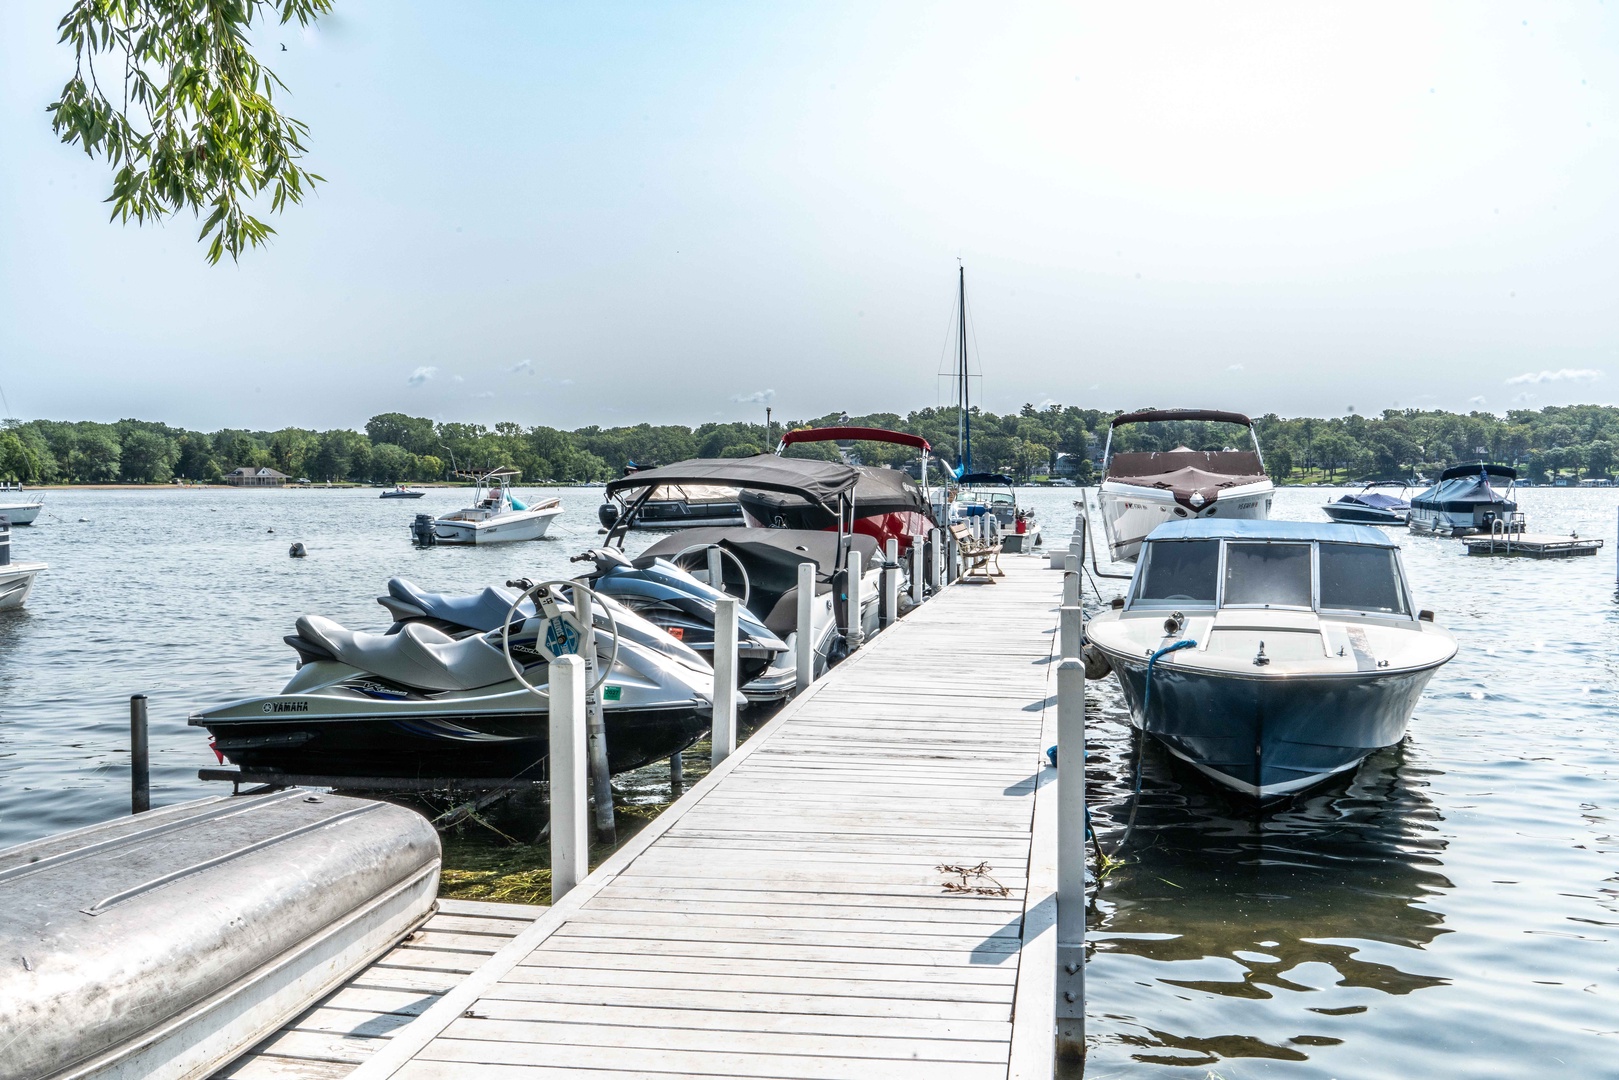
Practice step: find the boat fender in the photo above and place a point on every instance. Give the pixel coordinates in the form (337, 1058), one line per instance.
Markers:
(1096, 663)
(297, 551)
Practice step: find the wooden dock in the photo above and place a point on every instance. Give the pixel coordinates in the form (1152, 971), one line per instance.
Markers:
(865, 889)
(330, 1039)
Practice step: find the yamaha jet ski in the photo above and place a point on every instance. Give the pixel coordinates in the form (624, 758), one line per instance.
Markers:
(422, 702)
(675, 609)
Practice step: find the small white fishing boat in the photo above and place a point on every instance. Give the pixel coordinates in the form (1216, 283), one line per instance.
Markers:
(401, 491)
(1142, 490)
(1270, 655)
(18, 506)
(16, 578)
(165, 944)
(495, 517)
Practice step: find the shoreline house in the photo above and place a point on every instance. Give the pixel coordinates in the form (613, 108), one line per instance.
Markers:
(246, 476)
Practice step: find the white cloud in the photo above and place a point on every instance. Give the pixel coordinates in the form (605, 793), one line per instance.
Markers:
(421, 375)
(457, 378)
(1233, 367)
(758, 397)
(1533, 378)
(1479, 400)
(484, 395)
(557, 382)
(523, 367)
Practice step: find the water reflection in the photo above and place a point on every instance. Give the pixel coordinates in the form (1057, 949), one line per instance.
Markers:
(1250, 905)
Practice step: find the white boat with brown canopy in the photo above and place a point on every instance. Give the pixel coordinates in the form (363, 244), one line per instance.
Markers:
(1143, 489)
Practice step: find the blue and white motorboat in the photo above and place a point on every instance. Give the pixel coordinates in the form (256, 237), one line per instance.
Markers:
(1369, 506)
(495, 516)
(1467, 499)
(1270, 655)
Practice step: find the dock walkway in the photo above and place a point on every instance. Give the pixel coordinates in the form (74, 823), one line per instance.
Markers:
(864, 889)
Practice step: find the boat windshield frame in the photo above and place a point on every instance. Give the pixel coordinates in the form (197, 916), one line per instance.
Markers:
(1210, 416)
(1133, 601)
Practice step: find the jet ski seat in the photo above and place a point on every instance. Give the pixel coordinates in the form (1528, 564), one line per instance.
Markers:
(418, 656)
(783, 617)
(479, 611)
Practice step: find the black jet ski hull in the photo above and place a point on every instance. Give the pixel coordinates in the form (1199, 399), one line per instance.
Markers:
(452, 747)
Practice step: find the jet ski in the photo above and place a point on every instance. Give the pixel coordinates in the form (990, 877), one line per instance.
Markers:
(671, 609)
(763, 564)
(421, 701)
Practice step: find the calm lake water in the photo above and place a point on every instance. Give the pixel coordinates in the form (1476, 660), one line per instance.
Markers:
(1450, 910)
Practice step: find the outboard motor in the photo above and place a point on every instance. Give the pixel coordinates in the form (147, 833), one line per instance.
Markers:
(607, 514)
(5, 540)
(422, 532)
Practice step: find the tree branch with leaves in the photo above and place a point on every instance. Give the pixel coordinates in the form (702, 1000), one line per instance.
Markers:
(193, 124)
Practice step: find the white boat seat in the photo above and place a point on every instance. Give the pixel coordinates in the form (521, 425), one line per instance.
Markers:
(783, 617)
(418, 656)
(480, 611)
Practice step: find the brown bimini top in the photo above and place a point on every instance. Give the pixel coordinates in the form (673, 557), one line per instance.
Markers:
(1188, 472)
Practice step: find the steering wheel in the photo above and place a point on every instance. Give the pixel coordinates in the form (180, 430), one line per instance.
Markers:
(543, 598)
(747, 583)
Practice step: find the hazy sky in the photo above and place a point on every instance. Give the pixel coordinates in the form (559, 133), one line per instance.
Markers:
(587, 213)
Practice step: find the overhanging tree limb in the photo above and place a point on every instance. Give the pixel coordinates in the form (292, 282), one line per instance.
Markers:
(195, 126)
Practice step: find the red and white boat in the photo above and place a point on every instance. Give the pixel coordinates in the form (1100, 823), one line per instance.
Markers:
(888, 504)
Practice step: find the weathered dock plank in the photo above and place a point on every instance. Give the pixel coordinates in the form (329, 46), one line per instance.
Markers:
(332, 1037)
(790, 915)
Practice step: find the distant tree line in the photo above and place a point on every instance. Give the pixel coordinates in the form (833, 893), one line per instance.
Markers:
(1576, 440)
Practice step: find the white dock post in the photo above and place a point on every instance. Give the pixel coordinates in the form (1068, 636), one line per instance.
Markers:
(716, 572)
(1070, 583)
(805, 641)
(854, 632)
(936, 549)
(1071, 632)
(1070, 846)
(723, 735)
(890, 599)
(601, 780)
(918, 581)
(570, 839)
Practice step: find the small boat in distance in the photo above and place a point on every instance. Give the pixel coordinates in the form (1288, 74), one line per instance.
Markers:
(1270, 655)
(402, 492)
(1371, 507)
(495, 517)
(1142, 490)
(994, 494)
(1465, 501)
(18, 506)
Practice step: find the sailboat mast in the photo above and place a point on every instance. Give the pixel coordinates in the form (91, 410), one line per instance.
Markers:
(964, 434)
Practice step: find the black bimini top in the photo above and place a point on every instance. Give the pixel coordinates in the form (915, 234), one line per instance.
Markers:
(877, 491)
(1476, 468)
(968, 479)
(820, 482)
(1150, 415)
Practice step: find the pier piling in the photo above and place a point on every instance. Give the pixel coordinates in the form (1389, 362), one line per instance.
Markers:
(805, 641)
(570, 839)
(890, 594)
(1070, 997)
(140, 764)
(918, 575)
(1070, 583)
(601, 780)
(723, 735)
(853, 631)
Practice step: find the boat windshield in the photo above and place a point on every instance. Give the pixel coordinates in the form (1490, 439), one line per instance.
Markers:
(1179, 572)
(1267, 575)
(1359, 578)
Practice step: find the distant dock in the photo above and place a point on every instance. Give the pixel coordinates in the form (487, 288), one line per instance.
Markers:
(1531, 545)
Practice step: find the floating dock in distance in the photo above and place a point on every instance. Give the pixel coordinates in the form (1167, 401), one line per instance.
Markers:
(866, 888)
(1531, 545)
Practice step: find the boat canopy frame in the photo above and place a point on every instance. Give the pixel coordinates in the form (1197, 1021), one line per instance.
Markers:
(825, 484)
